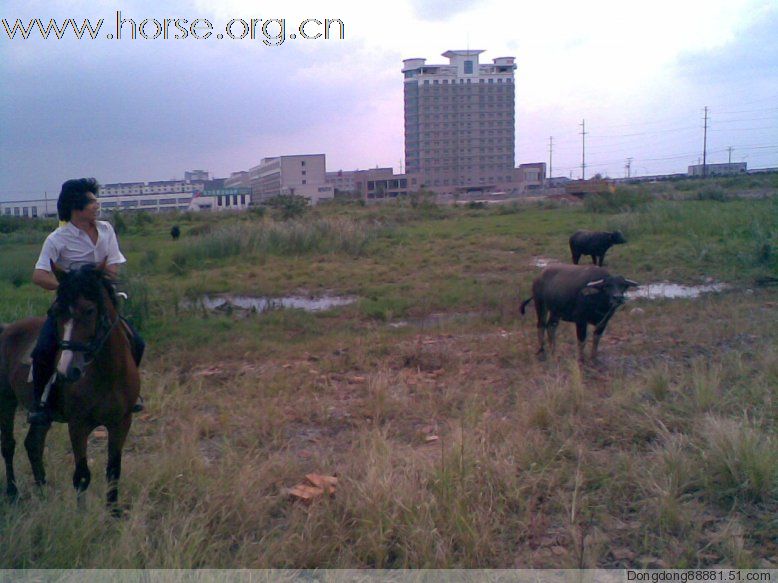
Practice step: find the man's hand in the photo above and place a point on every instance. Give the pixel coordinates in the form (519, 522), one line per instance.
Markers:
(45, 279)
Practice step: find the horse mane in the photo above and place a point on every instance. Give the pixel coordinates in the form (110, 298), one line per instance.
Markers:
(87, 281)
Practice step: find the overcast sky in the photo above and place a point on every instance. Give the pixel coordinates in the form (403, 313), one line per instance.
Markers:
(639, 73)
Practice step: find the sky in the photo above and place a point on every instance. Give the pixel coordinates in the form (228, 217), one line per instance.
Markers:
(639, 74)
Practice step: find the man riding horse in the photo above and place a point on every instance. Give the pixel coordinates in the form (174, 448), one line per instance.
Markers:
(81, 240)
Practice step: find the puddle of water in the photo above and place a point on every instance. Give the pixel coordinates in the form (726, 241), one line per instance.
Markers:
(654, 291)
(264, 304)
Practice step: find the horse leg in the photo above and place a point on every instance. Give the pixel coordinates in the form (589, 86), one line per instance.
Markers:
(7, 442)
(81, 476)
(33, 443)
(116, 437)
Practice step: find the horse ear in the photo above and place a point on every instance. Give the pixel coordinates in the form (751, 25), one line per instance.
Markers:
(58, 273)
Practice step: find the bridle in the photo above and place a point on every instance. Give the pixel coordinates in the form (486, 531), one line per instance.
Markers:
(102, 333)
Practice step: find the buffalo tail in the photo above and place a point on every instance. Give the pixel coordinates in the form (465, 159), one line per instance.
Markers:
(524, 305)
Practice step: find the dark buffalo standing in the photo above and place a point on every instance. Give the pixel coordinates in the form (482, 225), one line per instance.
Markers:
(594, 243)
(583, 294)
(175, 232)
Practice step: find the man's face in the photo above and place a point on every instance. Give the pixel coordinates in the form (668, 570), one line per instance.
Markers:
(90, 211)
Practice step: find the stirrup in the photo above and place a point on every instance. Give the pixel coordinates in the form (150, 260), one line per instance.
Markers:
(40, 417)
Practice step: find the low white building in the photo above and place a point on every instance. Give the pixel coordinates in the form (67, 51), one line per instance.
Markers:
(28, 208)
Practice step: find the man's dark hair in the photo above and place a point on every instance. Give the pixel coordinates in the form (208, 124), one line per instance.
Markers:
(73, 196)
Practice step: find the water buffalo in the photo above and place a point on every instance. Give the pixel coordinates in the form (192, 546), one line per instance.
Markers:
(583, 294)
(594, 243)
(175, 232)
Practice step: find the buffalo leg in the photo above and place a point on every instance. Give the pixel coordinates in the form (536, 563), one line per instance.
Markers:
(116, 437)
(81, 476)
(598, 332)
(576, 258)
(542, 313)
(580, 332)
(34, 443)
(553, 322)
(594, 259)
(7, 443)
(600, 259)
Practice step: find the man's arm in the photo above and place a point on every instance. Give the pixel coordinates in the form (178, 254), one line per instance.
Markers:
(113, 271)
(45, 279)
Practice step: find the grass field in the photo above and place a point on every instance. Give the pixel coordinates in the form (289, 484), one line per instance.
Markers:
(454, 446)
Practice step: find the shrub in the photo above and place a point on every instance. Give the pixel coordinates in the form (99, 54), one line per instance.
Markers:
(288, 206)
(118, 222)
(713, 192)
(623, 200)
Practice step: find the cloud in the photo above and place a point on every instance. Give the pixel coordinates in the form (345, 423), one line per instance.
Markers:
(432, 10)
(749, 58)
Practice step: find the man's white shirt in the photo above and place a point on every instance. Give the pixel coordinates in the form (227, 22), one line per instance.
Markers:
(70, 248)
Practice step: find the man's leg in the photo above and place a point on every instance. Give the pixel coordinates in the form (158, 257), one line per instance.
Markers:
(43, 368)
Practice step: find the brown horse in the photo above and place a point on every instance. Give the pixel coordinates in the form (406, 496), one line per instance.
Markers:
(98, 379)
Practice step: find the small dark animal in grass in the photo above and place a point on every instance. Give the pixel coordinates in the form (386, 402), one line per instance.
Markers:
(175, 232)
(99, 381)
(583, 294)
(594, 243)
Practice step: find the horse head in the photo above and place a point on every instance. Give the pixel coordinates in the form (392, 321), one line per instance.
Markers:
(85, 313)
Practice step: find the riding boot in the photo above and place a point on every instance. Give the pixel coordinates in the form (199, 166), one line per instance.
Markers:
(41, 413)
(43, 369)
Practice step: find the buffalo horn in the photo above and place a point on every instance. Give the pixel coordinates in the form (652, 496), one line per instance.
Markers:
(595, 283)
(632, 283)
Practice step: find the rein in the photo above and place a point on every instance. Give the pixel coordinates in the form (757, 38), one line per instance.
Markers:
(91, 348)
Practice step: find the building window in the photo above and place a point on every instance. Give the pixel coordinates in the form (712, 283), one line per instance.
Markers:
(303, 172)
(305, 182)
(468, 67)
(302, 163)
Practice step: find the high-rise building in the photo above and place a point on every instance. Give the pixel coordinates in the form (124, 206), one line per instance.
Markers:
(459, 122)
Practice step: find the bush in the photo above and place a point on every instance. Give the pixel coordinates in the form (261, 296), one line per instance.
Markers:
(623, 200)
(713, 192)
(288, 206)
(118, 222)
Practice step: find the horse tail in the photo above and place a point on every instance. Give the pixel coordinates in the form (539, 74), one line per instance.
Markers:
(524, 304)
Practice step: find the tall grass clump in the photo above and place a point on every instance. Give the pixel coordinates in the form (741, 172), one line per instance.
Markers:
(739, 461)
(325, 235)
(623, 200)
(137, 306)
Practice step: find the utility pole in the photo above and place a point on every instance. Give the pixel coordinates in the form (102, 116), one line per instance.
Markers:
(550, 156)
(628, 167)
(583, 149)
(705, 146)
(729, 161)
